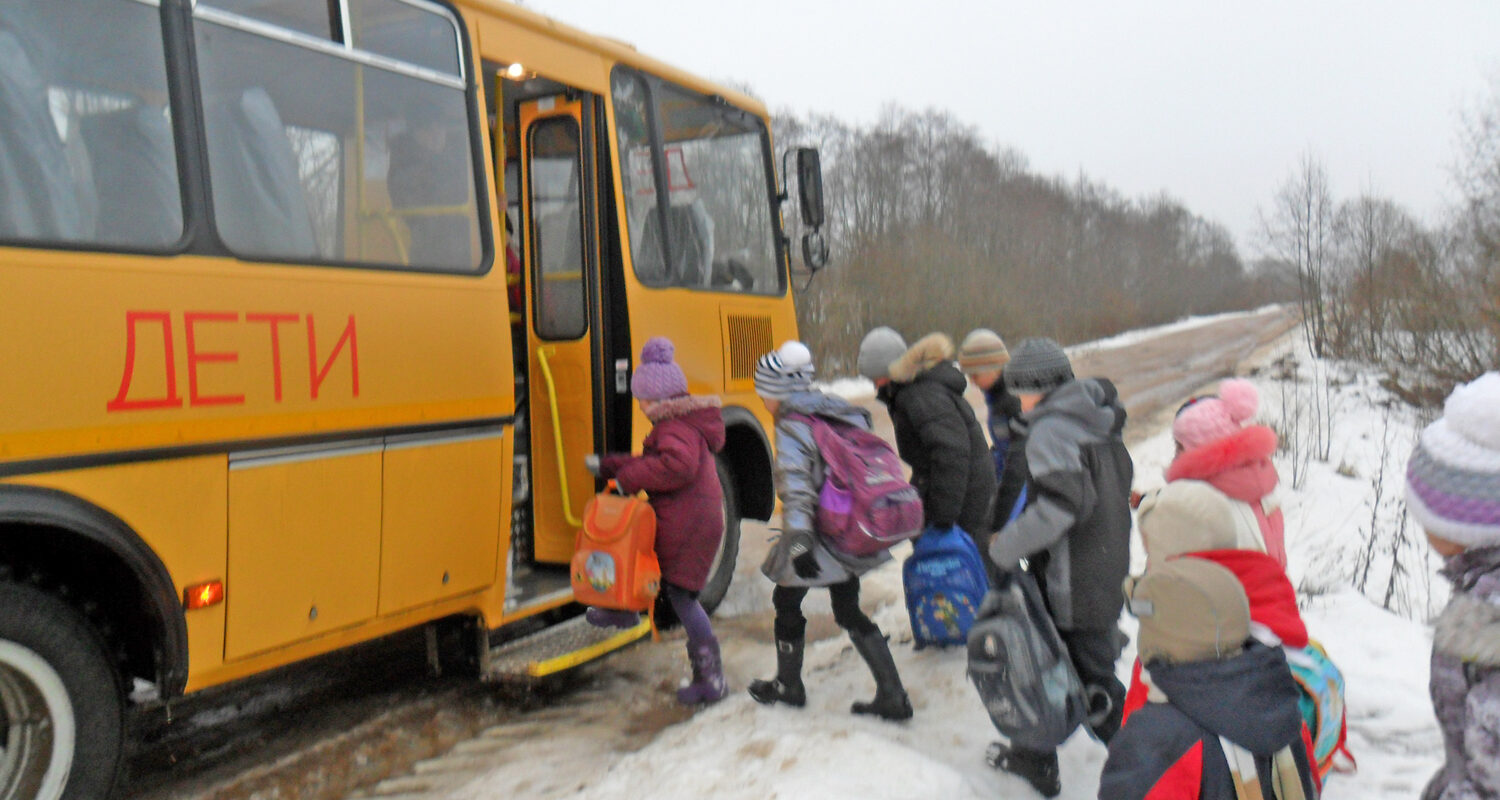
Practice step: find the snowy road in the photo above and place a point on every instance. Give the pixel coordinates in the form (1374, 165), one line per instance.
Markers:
(370, 723)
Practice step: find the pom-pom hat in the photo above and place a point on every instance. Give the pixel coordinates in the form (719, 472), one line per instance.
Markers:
(1453, 478)
(658, 377)
(1207, 419)
(784, 371)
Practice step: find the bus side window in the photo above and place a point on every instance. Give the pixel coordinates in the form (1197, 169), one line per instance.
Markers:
(35, 178)
(86, 142)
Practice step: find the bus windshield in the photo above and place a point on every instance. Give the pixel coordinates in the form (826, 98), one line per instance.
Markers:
(715, 162)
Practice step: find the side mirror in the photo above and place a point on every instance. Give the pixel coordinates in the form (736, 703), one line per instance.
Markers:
(810, 187)
(814, 251)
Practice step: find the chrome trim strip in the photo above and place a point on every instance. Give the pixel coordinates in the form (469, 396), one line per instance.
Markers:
(407, 441)
(276, 456)
(298, 39)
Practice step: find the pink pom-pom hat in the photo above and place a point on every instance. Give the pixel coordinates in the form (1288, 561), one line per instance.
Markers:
(1206, 419)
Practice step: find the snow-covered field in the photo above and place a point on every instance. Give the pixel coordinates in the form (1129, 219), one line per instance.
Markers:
(739, 749)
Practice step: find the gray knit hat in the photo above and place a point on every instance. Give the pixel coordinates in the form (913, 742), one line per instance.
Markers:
(880, 347)
(784, 371)
(982, 351)
(1037, 365)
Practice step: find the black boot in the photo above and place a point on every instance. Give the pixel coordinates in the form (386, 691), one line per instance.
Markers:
(890, 700)
(1037, 769)
(787, 686)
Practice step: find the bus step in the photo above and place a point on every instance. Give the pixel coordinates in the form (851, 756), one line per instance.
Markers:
(557, 649)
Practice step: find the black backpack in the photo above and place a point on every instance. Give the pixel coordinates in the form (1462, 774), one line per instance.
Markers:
(1022, 671)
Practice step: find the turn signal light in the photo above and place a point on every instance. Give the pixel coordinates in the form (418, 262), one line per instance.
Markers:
(203, 595)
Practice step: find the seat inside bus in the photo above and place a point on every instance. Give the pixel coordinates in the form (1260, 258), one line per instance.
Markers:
(259, 204)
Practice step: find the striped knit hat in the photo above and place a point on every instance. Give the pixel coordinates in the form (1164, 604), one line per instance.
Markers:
(784, 371)
(1453, 480)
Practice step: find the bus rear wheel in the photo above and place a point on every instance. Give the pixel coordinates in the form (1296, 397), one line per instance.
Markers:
(61, 710)
(722, 571)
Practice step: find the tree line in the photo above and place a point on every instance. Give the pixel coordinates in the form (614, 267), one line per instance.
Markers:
(931, 228)
(1376, 284)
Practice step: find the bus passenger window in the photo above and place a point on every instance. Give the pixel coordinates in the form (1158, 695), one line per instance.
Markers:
(86, 143)
(357, 152)
(719, 222)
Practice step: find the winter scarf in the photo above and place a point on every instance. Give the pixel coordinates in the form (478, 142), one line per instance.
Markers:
(1239, 465)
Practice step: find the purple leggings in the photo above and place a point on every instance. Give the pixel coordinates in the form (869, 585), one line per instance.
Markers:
(694, 619)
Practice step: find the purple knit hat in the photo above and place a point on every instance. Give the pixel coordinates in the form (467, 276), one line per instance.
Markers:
(1453, 479)
(658, 377)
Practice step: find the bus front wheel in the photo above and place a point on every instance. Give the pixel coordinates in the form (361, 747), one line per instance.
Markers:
(61, 710)
(722, 571)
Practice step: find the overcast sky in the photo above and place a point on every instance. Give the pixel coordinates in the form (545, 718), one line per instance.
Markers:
(1213, 101)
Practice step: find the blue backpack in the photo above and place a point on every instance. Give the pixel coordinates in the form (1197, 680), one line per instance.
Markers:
(945, 583)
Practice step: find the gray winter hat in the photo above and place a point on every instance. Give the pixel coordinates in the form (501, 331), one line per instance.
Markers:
(880, 348)
(1037, 366)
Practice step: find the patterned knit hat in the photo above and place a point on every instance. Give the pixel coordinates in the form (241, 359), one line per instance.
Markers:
(982, 351)
(784, 371)
(879, 348)
(1207, 419)
(1453, 479)
(1190, 610)
(658, 377)
(1037, 366)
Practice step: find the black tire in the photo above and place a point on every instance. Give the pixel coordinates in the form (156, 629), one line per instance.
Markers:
(52, 663)
(722, 571)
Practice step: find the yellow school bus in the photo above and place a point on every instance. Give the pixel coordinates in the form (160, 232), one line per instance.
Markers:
(269, 386)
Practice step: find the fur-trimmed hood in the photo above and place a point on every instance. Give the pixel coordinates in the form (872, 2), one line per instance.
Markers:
(1238, 465)
(928, 352)
(700, 411)
(1469, 628)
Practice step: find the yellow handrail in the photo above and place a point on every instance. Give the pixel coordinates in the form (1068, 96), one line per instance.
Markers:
(562, 465)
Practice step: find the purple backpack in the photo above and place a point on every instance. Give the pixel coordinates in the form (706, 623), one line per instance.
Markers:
(865, 505)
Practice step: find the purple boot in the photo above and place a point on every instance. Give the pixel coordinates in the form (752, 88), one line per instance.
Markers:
(708, 675)
(610, 618)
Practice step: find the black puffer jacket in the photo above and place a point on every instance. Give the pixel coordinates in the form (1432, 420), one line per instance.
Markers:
(1077, 505)
(938, 435)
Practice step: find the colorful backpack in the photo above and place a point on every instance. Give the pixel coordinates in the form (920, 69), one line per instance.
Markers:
(865, 505)
(945, 583)
(614, 557)
(1021, 669)
(1322, 704)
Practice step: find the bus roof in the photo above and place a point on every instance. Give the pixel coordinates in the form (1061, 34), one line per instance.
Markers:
(615, 49)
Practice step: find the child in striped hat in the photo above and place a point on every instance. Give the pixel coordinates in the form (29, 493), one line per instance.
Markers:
(799, 560)
(1453, 492)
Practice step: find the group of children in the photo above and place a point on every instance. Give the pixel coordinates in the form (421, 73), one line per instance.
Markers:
(1212, 710)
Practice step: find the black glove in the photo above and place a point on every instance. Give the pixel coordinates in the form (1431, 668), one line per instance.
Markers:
(804, 559)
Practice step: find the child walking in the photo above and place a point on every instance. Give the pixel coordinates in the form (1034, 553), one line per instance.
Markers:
(1216, 446)
(1453, 491)
(799, 560)
(1222, 722)
(677, 471)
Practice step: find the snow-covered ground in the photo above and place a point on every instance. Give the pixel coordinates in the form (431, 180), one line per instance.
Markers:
(739, 749)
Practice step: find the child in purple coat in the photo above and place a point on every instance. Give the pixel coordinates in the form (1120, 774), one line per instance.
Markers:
(676, 469)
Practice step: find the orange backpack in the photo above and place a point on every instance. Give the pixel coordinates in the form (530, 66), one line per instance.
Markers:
(614, 558)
